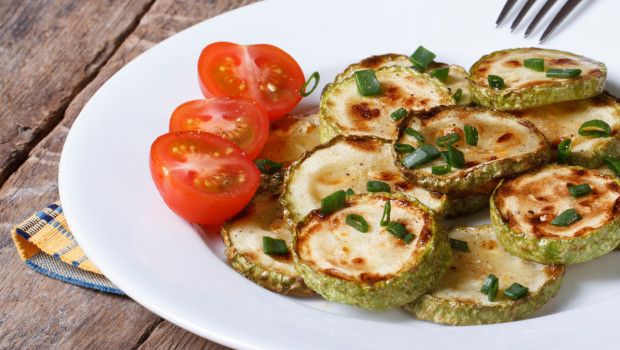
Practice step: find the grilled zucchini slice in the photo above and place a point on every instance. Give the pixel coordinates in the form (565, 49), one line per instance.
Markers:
(562, 121)
(525, 87)
(457, 300)
(505, 146)
(243, 237)
(375, 269)
(458, 78)
(349, 162)
(289, 138)
(523, 211)
(344, 111)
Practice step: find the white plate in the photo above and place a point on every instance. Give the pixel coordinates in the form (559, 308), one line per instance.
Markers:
(160, 261)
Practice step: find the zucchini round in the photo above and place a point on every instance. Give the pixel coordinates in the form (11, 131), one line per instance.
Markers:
(525, 87)
(523, 209)
(562, 121)
(457, 299)
(344, 111)
(243, 237)
(375, 269)
(375, 62)
(505, 146)
(458, 78)
(349, 162)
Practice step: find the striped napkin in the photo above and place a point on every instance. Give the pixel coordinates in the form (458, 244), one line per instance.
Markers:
(46, 245)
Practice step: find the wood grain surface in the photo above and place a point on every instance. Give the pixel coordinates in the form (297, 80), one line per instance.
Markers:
(55, 55)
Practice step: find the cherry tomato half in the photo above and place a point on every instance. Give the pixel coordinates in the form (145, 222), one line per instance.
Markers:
(203, 178)
(262, 72)
(238, 119)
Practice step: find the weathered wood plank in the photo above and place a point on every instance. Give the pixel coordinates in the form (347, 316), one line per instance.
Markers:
(41, 312)
(49, 51)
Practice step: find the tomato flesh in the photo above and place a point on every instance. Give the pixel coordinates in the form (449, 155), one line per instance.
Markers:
(238, 119)
(202, 177)
(262, 72)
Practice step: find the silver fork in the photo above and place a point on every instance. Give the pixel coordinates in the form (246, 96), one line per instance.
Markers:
(559, 17)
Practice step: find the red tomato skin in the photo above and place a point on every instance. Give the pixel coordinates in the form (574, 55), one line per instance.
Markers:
(200, 208)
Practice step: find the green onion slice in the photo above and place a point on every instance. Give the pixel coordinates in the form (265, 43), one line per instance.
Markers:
(416, 134)
(422, 154)
(408, 238)
(267, 166)
(563, 151)
(333, 202)
(516, 291)
(377, 186)
(459, 245)
(397, 229)
(492, 293)
(613, 164)
(274, 246)
(535, 64)
(403, 148)
(398, 114)
(367, 83)
(579, 190)
(458, 95)
(563, 73)
(566, 218)
(421, 57)
(441, 74)
(314, 78)
(488, 282)
(595, 128)
(449, 139)
(357, 222)
(441, 169)
(496, 82)
(471, 135)
(455, 157)
(387, 209)
(349, 192)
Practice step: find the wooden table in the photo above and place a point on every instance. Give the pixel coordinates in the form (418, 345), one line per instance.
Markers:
(53, 56)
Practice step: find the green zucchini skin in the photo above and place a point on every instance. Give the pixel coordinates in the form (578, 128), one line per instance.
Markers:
(545, 91)
(595, 157)
(478, 176)
(553, 250)
(385, 294)
(465, 205)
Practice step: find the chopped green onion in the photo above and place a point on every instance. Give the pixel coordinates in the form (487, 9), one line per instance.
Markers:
(387, 209)
(267, 166)
(274, 246)
(563, 73)
(397, 229)
(357, 222)
(403, 148)
(367, 83)
(349, 192)
(536, 64)
(455, 157)
(457, 244)
(333, 202)
(398, 114)
(422, 154)
(449, 139)
(441, 74)
(613, 164)
(458, 95)
(422, 57)
(314, 77)
(579, 190)
(563, 151)
(471, 135)
(492, 293)
(516, 291)
(566, 218)
(495, 82)
(488, 282)
(408, 238)
(377, 186)
(441, 169)
(416, 134)
(595, 128)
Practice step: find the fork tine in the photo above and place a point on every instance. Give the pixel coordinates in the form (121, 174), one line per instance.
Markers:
(543, 11)
(509, 4)
(526, 7)
(564, 11)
